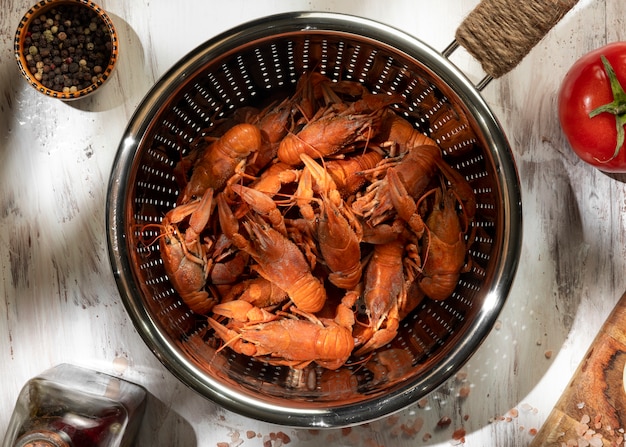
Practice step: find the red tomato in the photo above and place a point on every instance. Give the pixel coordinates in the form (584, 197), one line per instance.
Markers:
(586, 87)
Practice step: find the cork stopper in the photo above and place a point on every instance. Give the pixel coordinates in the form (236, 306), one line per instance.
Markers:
(43, 438)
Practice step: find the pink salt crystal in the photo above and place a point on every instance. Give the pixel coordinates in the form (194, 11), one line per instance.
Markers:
(526, 407)
(464, 391)
(585, 419)
(461, 376)
(596, 442)
(418, 424)
(444, 422)
(284, 437)
(459, 434)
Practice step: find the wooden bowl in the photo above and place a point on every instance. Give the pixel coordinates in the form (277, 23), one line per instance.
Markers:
(72, 53)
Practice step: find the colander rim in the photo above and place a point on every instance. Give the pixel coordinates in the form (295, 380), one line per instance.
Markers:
(302, 415)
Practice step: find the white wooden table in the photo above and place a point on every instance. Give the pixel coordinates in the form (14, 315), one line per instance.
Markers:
(58, 298)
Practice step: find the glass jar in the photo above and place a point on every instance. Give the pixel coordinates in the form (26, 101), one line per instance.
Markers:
(69, 406)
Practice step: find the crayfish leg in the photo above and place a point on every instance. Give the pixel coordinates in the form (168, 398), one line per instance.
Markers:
(232, 339)
(243, 311)
(403, 203)
(382, 336)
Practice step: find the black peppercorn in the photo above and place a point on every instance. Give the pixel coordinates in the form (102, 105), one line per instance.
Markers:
(66, 48)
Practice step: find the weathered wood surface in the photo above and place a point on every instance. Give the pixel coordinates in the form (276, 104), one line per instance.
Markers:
(59, 302)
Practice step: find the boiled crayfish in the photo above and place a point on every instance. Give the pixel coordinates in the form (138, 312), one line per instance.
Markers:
(301, 210)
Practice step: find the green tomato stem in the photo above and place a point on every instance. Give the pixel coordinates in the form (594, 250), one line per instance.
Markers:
(617, 107)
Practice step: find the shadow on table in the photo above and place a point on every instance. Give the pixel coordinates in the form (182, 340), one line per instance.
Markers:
(164, 427)
(619, 177)
(130, 79)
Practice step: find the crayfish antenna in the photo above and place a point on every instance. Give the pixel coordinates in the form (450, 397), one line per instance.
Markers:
(140, 230)
(230, 338)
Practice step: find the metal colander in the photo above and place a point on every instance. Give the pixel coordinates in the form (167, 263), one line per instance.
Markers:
(246, 66)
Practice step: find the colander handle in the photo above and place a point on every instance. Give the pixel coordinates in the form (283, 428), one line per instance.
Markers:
(500, 33)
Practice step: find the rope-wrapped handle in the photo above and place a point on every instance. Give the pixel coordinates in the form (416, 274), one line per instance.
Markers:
(500, 33)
